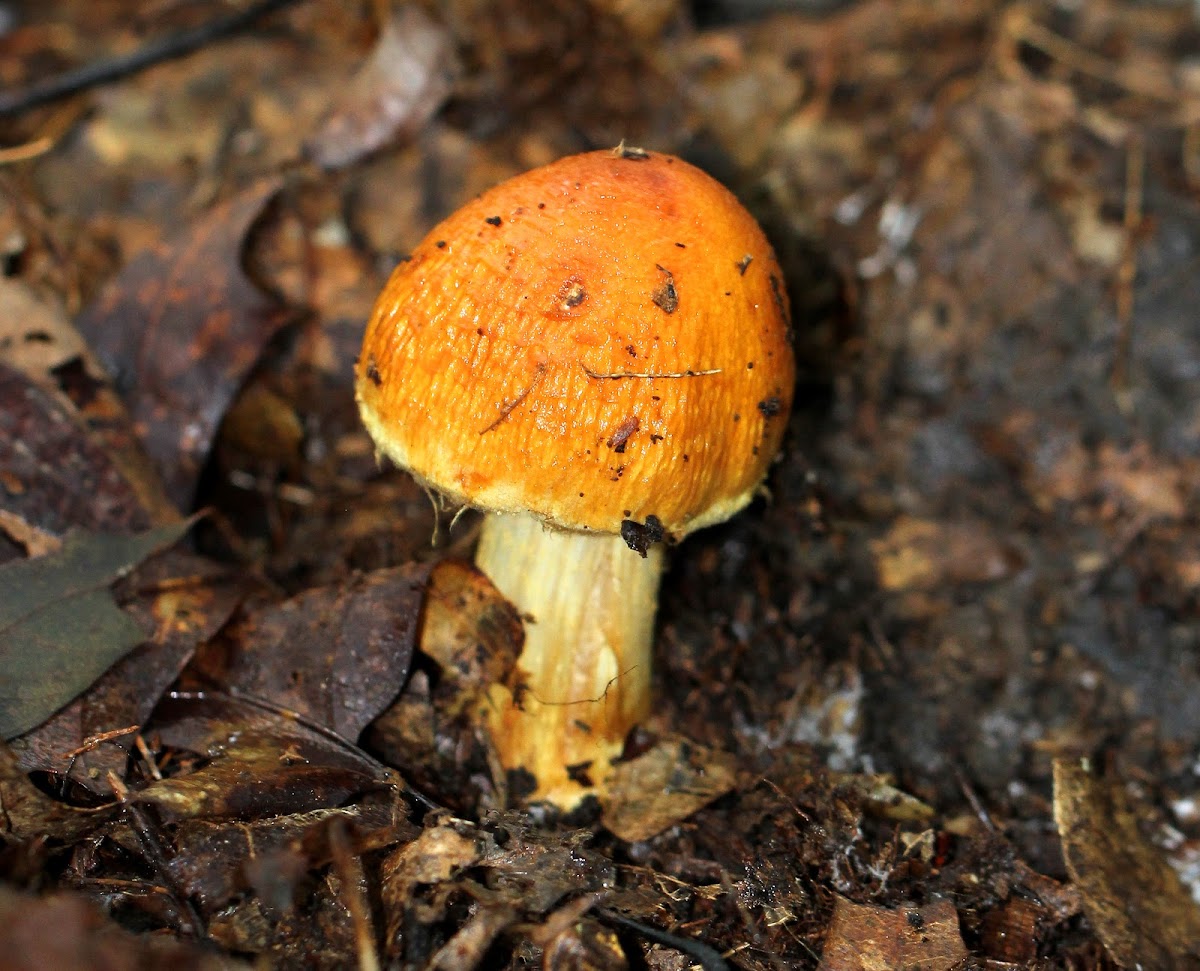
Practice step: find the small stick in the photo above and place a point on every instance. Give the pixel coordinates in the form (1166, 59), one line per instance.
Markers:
(95, 741)
(101, 72)
(26, 151)
(709, 958)
(1071, 55)
(617, 375)
(508, 407)
(1135, 166)
(349, 867)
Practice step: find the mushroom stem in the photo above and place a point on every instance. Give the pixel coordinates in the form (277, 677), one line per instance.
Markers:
(584, 675)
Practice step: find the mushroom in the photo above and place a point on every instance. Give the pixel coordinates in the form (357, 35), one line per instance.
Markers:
(596, 354)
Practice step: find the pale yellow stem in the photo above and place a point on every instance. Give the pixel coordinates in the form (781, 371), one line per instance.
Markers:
(584, 675)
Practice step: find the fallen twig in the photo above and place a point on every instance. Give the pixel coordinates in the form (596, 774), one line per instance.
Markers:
(106, 71)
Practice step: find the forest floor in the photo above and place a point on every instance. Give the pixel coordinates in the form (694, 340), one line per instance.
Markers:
(934, 703)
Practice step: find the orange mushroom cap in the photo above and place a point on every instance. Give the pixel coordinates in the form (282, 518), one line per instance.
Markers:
(602, 339)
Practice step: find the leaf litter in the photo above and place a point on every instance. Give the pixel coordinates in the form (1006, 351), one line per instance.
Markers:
(59, 625)
(180, 340)
(983, 211)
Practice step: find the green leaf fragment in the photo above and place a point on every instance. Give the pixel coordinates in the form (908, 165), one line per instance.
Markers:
(60, 628)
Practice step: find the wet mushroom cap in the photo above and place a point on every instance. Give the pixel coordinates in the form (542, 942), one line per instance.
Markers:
(602, 339)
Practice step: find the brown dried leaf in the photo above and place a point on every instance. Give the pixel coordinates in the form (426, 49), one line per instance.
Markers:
(1146, 484)
(471, 631)
(664, 786)
(920, 554)
(644, 19)
(336, 655)
(865, 938)
(320, 935)
(539, 868)
(467, 948)
(1011, 932)
(401, 86)
(444, 849)
(261, 424)
(180, 329)
(564, 60)
(880, 797)
(440, 853)
(1134, 901)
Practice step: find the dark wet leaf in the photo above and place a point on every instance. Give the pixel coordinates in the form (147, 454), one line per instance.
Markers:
(336, 655)
(257, 761)
(1133, 899)
(473, 636)
(84, 468)
(180, 328)
(53, 474)
(27, 812)
(216, 860)
(400, 87)
(319, 935)
(59, 625)
(65, 931)
(182, 601)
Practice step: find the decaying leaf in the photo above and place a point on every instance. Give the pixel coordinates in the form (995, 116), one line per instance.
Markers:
(664, 786)
(441, 852)
(400, 87)
(180, 328)
(258, 761)
(472, 636)
(866, 938)
(1133, 899)
(336, 655)
(216, 860)
(470, 630)
(542, 868)
(319, 936)
(571, 941)
(466, 949)
(54, 475)
(881, 797)
(511, 871)
(59, 626)
(26, 812)
(1011, 932)
(37, 339)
